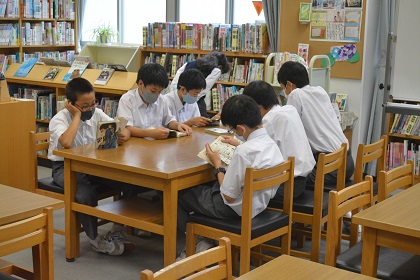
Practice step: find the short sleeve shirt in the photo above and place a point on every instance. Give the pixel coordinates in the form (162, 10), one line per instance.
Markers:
(182, 112)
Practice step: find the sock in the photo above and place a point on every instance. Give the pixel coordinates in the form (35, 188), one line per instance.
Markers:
(95, 241)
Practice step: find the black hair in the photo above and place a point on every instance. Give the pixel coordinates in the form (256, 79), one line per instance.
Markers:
(153, 74)
(241, 109)
(221, 61)
(192, 79)
(263, 93)
(294, 72)
(206, 64)
(76, 87)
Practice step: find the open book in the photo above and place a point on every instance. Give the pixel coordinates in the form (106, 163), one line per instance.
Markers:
(107, 133)
(176, 134)
(225, 151)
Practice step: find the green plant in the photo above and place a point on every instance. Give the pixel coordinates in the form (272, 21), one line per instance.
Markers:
(104, 33)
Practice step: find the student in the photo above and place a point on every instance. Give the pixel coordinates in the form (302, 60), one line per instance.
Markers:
(284, 126)
(224, 198)
(183, 102)
(76, 125)
(212, 66)
(317, 114)
(144, 107)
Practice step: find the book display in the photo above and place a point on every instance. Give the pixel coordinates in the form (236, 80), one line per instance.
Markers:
(104, 77)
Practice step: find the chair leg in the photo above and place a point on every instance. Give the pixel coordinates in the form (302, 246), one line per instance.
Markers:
(300, 237)
(191, 240)
(285, 244)
(235, 258)
(244, 261)
(316, 241)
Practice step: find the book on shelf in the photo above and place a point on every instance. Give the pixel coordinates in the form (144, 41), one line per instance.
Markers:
(77, 68)
(26, 67)
(176, 134)
(341, 100)
(104, 76)
(52, 73)
(107, 133)
(118, 67)
(225, 151)
(54, 62)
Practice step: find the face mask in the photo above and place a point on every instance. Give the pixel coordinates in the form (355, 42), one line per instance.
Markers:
(149, 97)
(87, 115)
(189, 99)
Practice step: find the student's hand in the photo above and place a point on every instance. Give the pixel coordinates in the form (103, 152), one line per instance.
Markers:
(230, 140)
(199, 121)
(123, 136)
(73, 109)
(158, 133)
(217, 116)
(184, 128)
(213, 156)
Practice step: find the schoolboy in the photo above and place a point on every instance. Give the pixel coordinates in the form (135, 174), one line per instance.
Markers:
(284, 126)
(144, 107)
(317, 114)
(224, 198)
(76, 125)
(183, 102)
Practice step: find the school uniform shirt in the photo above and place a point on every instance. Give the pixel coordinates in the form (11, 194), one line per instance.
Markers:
(284, 126)
(259, 152)
(210, 80)
(182, 112)
(141, 115)
(319, 120)
(86, 132)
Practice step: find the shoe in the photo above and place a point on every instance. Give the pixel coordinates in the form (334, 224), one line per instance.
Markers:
(142, 233)
(113, 248)
(120, 236)
(202, 245)
(181, 256)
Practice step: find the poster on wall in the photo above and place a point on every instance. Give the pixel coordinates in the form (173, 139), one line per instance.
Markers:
(336, 20)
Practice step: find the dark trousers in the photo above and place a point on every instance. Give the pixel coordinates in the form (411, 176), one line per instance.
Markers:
(202, 106)
(86, 193)
(298, 188)
(330, 179)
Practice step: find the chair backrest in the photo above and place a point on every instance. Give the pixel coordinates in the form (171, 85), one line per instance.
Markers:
(37, 142)
(401, 177)
(35, 232)
(352, 198)
(215, 263)
(369, 153)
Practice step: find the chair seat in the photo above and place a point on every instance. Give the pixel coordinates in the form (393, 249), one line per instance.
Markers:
(265, 222)
(304, 203)
(392, 264)
(7, 277)
(49, 185)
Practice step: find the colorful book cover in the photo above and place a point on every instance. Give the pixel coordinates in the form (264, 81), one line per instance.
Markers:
(52, 73)
(26, 66)
(76, 70)
(104, 76)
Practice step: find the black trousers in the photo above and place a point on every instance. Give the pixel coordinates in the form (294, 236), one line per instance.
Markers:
(202, 106)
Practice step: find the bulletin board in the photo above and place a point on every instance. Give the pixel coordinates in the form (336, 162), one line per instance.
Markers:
(292, 32)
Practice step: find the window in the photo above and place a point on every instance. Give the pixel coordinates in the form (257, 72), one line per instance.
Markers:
(244, 12)
(138, 13)
(99, 12)
(200, 11)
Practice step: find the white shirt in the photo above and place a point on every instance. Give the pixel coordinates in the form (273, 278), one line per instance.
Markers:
(317, 114)
(182, 112)
(284, 126)
(210, 80)
(259, 151)
(141, 115)
(86, 133)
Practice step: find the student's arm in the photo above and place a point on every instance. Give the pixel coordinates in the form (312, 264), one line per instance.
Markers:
(198, 121)
(67, 138)
(210, 81)
(156, 133)
(180, 127)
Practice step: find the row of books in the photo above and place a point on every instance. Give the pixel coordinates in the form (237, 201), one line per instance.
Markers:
(398, 153)
(9, 34)
(220, 94)
(109, 106)
(171, 62)
(406, 124)
(9, 9)
(249, 71)
(44, 33)
(57, 55)
(48, 9)
(3, 63)
(248, 37)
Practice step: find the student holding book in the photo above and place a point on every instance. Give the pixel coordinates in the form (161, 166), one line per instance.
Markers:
(144, 107)
(223, 198)
(284, 126)
(318, 117)
(183, 102)
(76, 125)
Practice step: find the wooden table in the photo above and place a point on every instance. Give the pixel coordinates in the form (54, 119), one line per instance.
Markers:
(287, 267)
(167, 165)
(392, 223)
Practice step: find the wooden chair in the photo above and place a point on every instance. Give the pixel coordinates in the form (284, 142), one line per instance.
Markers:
(247, 232)
(401, 177)
(36, 233)
(215, 263)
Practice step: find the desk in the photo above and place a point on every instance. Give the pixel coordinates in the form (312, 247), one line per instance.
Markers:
(167, 165)
(392, 223)
(287, 267)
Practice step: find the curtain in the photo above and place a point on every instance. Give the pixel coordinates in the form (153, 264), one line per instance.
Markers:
(386, 24)
(271, 10)
(81, 4)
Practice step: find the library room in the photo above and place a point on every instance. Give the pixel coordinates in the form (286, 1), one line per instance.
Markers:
(197, 139)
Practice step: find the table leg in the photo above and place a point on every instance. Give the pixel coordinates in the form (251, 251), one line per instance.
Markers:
(71, 221)
(170, 210)
(370, 252)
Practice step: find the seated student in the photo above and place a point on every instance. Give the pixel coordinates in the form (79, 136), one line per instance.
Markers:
(223, 198)
(183, 102)
(144, 107)
(212, 66)
(284, 126)
(317, 114)
(73, 126)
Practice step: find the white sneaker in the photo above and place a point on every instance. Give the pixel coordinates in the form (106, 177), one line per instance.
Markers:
(202, 245)
(120, 236)
(142, 233)
(113, 248)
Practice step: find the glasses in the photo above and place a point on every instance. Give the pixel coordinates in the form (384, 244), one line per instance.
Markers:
(87, 108)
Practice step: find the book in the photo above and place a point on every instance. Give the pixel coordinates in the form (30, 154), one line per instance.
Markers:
(341, 100)
(54, 62)
(77, 68)
(225, 151)
(118, 67)
(176, 134)
(104, 76)
(107, 133)
(52, 73)
(26, 66)
(217, 131)
(214, 122)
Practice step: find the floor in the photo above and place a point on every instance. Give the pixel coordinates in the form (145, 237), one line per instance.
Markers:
(92, 265)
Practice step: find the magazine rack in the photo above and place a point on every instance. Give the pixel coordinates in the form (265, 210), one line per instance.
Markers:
(320, 76)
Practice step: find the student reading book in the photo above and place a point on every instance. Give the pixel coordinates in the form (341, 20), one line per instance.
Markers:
(26, 66)
(225, 151)
(52, 73)
(104, 76)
